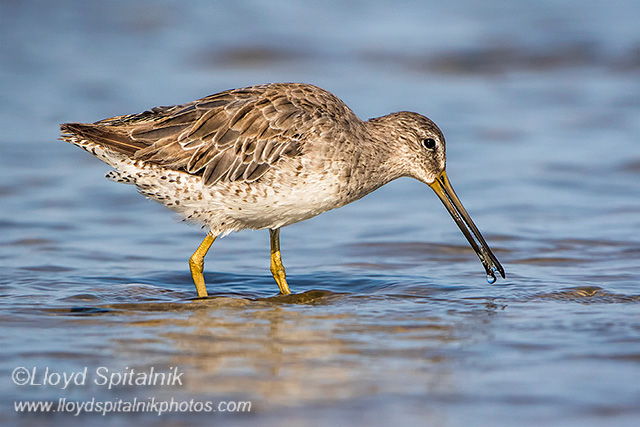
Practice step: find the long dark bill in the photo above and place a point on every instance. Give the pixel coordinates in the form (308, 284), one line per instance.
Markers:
(444, 190)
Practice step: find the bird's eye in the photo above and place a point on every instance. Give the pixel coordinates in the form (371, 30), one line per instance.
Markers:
(429, 143)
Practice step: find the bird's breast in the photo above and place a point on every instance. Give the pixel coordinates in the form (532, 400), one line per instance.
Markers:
(286, 195)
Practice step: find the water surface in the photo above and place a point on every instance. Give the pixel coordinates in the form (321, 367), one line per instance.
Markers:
(392, 321)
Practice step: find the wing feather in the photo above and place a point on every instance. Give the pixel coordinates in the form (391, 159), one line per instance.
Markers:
(218, 167)
(236, 135)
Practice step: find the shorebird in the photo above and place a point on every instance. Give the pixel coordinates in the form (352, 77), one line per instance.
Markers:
(268, 156)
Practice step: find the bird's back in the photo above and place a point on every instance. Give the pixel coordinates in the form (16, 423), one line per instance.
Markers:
(235, 135)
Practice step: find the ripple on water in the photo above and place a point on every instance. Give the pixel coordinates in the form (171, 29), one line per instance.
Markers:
(587, 295)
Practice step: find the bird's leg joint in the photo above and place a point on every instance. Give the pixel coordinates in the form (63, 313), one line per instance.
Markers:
(196, 265)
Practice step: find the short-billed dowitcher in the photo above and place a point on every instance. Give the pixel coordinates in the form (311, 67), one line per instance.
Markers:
(268, 156)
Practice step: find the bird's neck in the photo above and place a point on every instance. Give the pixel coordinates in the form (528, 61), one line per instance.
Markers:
(376, 161)
(387, 149)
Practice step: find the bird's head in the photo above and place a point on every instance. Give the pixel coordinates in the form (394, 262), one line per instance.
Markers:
(419, 151)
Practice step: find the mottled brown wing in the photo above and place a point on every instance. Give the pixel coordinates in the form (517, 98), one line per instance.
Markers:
(236, 135)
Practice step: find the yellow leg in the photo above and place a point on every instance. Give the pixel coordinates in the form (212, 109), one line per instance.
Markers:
(196, 264)
(277, 269)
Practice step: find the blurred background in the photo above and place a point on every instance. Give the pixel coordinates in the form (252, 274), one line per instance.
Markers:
(540, 104)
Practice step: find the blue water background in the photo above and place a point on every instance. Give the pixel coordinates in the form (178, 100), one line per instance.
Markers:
(394, 322)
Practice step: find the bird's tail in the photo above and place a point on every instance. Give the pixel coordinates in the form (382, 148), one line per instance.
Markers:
(87, 136)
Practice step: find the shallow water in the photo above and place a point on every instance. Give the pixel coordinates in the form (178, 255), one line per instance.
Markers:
(392, 320)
